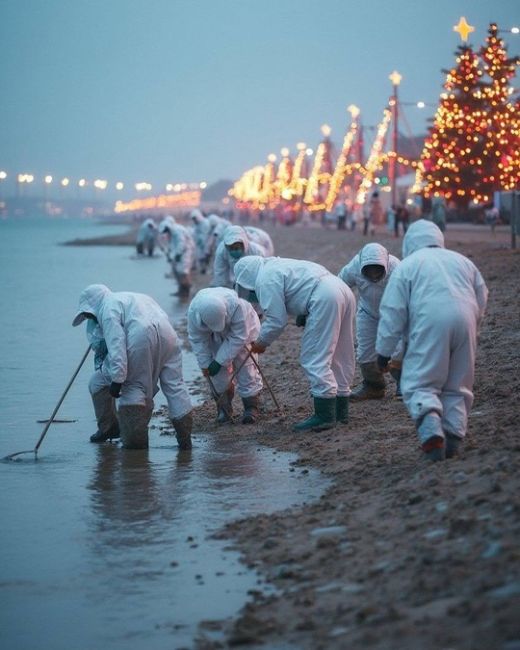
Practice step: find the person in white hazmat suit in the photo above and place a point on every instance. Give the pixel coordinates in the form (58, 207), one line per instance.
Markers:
(221, 326)
(181, 254)
(435, 299)
(146, 237)
(235, 245)
(200, 232)
(142, 351)
(217, 225)
(259, 236)
(325, 306)
(370, 271)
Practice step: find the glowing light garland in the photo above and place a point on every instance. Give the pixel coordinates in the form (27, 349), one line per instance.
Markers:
(182, 200)
(373, 162)
(340, 170)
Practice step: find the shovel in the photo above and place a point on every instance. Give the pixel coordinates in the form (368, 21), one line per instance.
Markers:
(51, 419)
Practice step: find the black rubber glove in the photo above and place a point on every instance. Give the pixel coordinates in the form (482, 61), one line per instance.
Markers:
(213, 368)
(115, 389)
(382, 362)
(301, 319)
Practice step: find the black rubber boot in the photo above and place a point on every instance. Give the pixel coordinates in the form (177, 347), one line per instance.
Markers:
(184, 282)
(430, 430)
(373, 386)
(99, 436)
(342, 409)
(324, 416)
(106, 416)
(183, 427)
(251, 412)
(396, 376)
(453, 443)
(225, 406)
(133, 424)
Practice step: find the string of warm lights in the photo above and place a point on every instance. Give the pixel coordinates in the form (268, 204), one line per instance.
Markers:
(322, 153)
(284, 176)
(27, 179)
(298, 180)
(162, 202)
(339, 171)
(373, 162)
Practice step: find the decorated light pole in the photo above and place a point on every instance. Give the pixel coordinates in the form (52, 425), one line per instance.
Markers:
(395, 78)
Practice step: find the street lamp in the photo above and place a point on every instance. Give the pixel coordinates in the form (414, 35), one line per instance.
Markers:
(120, 185)
(3, 176)
(395, 78)
(46, 182)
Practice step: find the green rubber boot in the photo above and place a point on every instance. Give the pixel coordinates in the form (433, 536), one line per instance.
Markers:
(324, 416)
(342, 409)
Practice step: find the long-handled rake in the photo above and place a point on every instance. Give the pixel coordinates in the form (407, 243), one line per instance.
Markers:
(51, 419)
(218, 397)
(264, 379)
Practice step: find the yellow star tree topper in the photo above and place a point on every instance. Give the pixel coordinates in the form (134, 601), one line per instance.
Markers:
(463, 29)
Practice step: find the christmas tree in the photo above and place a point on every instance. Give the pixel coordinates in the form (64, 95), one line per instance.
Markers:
(502, 150)
(454, 151)
(474, 144)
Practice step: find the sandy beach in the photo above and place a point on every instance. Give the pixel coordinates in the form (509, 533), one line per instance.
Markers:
(398, 553)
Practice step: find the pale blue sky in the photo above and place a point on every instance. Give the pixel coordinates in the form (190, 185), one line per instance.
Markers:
(180, 90)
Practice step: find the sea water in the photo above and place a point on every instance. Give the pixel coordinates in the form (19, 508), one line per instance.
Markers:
(104, 547)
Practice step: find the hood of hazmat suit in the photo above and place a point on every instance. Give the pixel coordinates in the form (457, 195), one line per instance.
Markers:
(373, 254)
(212, 310)
(235, 235)
(214, 220)
(422, 234)
(197, 215)
(247, 270)
(220, 324)
(90, 301)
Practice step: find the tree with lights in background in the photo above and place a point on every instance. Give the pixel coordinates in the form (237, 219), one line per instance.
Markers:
(473, 148)
(503, 115)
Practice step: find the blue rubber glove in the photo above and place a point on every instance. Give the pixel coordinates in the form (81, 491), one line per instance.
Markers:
(213, 368)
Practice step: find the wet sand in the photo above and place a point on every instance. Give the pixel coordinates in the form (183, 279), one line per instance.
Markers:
(399, 553)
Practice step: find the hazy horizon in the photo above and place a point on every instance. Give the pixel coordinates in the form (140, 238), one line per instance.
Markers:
(179, 91)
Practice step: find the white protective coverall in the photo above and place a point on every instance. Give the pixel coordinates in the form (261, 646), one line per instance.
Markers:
(217, 225)
(435, 299)
(220, 326)
(224, 264)
(200, 232)
(297, 287)
(143, 349)
(181, 247)
(259, 236)
(147, 235)
(370, 294)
